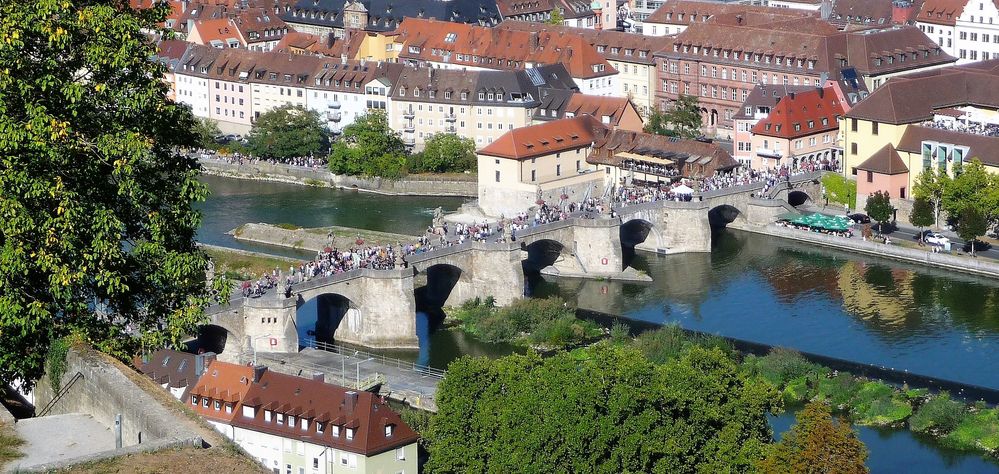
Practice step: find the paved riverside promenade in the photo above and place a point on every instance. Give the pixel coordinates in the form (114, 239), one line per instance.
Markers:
(395, 379)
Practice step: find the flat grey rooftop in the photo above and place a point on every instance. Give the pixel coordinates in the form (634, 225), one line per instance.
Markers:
(60, 438)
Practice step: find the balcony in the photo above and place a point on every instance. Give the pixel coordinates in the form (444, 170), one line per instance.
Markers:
(409, 141)
(333, 105)
(333, 116)
(408, 114)
(450, 129)
(768, 153)
(450, 117)
(409, 128)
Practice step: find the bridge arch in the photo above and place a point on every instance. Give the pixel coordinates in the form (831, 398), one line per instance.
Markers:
(797, 197)
(722, 215)
(636, 231)
(322, 316)
(214, 338)
(442, 279)
(543, 253)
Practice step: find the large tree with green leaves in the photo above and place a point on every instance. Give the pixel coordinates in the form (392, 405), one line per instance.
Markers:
(97, 229)
(972, 225)
(879, 208)
(603, 409)
(817, 444)
(205, 131)
(930, 185)
(288, 131)
(839, 189)
(556, 17)
(922, 214)
(682, 118)
(447, 152)
(369, 147)
(973, 187)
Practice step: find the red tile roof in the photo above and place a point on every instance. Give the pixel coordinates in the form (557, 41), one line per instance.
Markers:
(941, 12)
(320, 404)
(611, 44)
(800, 114)
(884, 161)
(694, 11)
(219, 30)
(545, 139)
(599, 106)
(496, 48)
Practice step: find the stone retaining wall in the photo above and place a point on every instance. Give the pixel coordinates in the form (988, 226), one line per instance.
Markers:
(975, 266)
(103, 392)
(416, 185)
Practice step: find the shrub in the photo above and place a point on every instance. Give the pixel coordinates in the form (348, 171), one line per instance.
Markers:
(663, 344)
(838, 390)
(620, 333)
(939, 414)
(976, 431)
(56, 362)
(781, 366)
(796, 391)
(495, 328)
(557, 333)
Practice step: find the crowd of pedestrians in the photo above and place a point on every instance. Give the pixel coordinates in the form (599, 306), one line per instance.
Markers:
(236, 158)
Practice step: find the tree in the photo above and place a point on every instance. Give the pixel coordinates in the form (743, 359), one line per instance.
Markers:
(930, 185)
(973, 187)
(205, 131)
(447, 152)
(921, 215)
(97, 234)
(556, 17)
(817, 445)
(369, 147)
(972, 225)
(604, 409)
(681, 119)
(879, 208)
(287, 132)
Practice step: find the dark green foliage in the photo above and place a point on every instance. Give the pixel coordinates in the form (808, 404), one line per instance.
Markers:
(601, 409)
(977, 431)
(288, 131)
(445, 153)
(781, 366)
(972, 225)
(56, 362)
(96, 201)
(974, 187)
(369, 147)
(838, 390)
(664, 344)
(548, 322)
(418, 420)
(939, 414)
(879, 208)
(878, 404)
(620, 334)
(682, 118)
(922, 213)
(206, 130)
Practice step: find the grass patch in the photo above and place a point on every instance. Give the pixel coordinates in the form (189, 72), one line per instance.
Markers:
(287, 226)
(977, 431)
(9, 444)
(781, 366)
(838, 390)
(239, 266)
(315, 182)
(878, 404)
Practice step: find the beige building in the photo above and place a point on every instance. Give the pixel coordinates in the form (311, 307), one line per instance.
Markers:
(481, 105)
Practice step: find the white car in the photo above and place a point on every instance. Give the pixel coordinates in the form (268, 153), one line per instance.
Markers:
(935, 238)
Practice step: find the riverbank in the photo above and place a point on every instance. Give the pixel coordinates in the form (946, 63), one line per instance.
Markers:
(316, 238)
(457, 184)
(969, 265)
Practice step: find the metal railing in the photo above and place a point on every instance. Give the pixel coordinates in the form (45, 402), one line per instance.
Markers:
(381, 359)
(58, 396)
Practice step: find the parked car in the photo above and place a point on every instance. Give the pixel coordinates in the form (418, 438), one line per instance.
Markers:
(860, 218)
(935, 238)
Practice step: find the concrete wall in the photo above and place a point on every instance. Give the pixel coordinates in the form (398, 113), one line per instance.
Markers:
(410, 186)
(103, 392)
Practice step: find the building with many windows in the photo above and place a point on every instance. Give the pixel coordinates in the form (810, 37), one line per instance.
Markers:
(801, 129)
(458, 46)
(720, 62)
(934, 119)
(630, 54)
(674, 16)
(967, 29)
(298, 425)
(336, 16)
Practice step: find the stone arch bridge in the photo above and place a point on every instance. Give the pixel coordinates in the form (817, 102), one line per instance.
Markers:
(376, 308)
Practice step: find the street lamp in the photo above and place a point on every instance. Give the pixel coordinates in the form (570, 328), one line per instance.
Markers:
(254, 347)
(357, 365)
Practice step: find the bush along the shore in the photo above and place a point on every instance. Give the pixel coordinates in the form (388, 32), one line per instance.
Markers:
(874, 403)
(544, 324)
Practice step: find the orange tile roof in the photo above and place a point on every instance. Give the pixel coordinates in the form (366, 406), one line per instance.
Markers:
(493, 48)
(799, 109)
(545, 139)
(694, 11)
(599, 106)
(884, 161)
(941, 12)
(221, 381)
(218, 30)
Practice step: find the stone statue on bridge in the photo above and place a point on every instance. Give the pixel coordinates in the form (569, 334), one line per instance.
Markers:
(438, 217)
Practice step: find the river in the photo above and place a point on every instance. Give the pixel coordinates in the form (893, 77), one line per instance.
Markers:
(751, 287)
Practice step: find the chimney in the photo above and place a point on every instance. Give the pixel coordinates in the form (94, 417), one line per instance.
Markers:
(738, 19)
(822, 92)
(350, 402)
(901, 11)
(534, 40)
(791, 95)
(258, 372)
(319, 376)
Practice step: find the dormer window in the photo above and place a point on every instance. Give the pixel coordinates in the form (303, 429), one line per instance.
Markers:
(194, 400)
(280, 418)
(482, 96)
(464, 96)
(218, 405)
(320, 427)
(204, 401)
(267, 415)
(291, 421)
(416, 92)
(388, 430)
(350, 433)
(336, 431)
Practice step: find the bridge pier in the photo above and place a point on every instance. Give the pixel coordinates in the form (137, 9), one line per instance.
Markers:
(596, 246)
(269, 324)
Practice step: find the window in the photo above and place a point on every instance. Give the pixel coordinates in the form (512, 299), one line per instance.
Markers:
(400, 454)
(280, 417)
(853, 148)
(534, 175)
(205, 401)
(870, 177)
(558, 170)
(249, 412)
(853, 125)
(315, 463)
(874, 128)
(336, 429)
(267, 415)
(194, 400)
